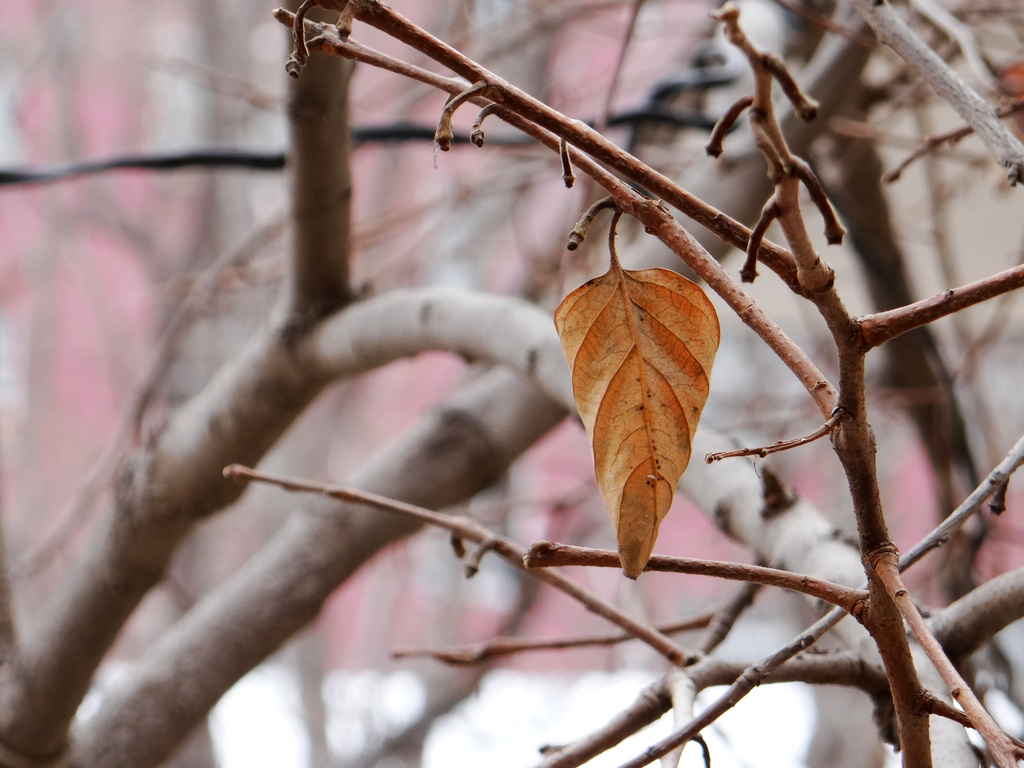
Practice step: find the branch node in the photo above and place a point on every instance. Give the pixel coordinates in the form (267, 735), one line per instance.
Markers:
(481, 549)
(477, 136)
(443, 134)
(579, 232)
(568, 176)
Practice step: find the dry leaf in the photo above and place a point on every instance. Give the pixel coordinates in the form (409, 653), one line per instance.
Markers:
(640, 347)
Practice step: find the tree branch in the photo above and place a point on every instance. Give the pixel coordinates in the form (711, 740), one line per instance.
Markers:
(546, 554)
(878, 328)
(321, 191)
(499, 647)
(457, 450)
(1003, 750)
(967, 624)
(975, 111)
(526, 113)
(996, 479)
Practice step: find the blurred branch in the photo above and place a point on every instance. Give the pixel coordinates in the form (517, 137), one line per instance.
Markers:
(972, 108)
(967, 624)
(321, 193)
(227, 158)
(129, 426)
(950, 138)
(499, 647)
(850, 168)
(458, 449)
(467, 529)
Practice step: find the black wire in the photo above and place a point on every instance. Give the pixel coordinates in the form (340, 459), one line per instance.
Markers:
(262, 160)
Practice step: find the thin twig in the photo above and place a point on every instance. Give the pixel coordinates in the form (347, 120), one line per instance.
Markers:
(827, 23)
(129, 423)
(620, 60)
(931, 143)
(579, 232)
(544, 554)
(500, 647)
(997, 478)
(726, 615)
(725, 123)
(477, 135)
(470, 530)
(752, 676)
(444, 133)
(972, 108)
(782, 445)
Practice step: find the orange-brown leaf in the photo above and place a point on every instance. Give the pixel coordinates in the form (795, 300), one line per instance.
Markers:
(640, 347)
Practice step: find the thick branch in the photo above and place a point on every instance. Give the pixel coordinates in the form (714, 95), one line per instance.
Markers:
(165, 488)
(970, 622)
(456, 451)
(321, 190)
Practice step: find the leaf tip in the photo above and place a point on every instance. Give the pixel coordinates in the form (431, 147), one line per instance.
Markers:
(634, 556)
(631, 569)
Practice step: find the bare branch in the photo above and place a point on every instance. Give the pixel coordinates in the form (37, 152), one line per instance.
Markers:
(321, 191)
(970, 622)
(1003, 750)
(878, 328)
(782, 445)
(469, 530)
(975, 111)
(500, 647)
(545, 554)
(942, 534)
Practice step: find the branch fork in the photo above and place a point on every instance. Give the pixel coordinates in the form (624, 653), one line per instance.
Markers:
(444, 133)
(785, 170)
(343, 27)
